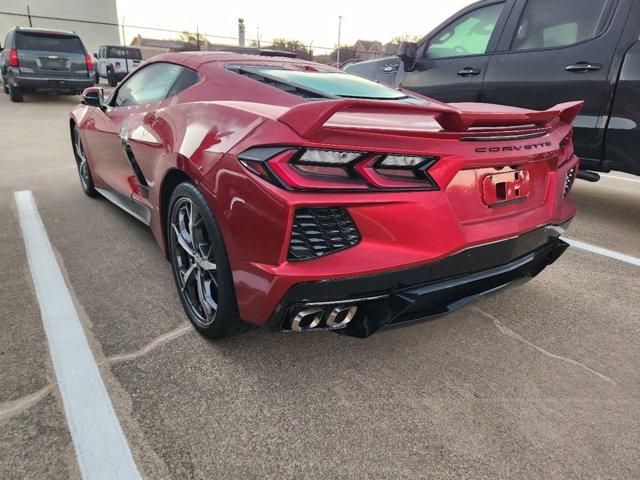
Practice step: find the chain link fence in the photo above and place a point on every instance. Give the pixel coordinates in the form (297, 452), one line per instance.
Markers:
(105, 29)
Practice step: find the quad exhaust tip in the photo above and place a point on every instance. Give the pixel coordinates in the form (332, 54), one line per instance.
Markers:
(334, 318)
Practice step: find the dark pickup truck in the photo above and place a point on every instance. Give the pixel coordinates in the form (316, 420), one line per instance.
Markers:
(536, 54)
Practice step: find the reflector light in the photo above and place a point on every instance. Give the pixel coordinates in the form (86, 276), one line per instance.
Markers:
(328, 157)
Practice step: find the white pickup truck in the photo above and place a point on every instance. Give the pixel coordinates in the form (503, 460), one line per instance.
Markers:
(114, 62)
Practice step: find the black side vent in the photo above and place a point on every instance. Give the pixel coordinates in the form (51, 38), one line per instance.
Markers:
(320, 231)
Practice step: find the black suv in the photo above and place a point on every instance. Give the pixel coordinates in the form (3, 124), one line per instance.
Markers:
(44, 60)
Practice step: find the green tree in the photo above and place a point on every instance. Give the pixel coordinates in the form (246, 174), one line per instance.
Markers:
(405, 37)
(198, 40)
(347, 52)
(294, 46)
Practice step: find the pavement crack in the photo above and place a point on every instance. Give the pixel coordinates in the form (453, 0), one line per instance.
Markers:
(16, 407)
(161, 340)
(510, 333)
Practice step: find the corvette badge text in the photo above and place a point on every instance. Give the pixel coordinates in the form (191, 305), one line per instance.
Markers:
(513, 148)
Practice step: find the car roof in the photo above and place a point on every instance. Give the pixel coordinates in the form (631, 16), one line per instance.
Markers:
(45, 31)
(197, 59)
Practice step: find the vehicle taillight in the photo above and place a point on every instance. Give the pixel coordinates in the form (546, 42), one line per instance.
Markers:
(89, 61)
(13, 58)
(566, 145)
(317, 169)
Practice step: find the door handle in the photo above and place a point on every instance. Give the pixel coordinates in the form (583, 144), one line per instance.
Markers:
(469, 71)
(583, 67)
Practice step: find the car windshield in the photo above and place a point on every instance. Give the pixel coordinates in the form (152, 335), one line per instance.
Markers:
(48, 42)
(119, 52)
(332, 84)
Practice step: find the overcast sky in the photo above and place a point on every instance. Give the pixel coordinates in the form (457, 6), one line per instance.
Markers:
(307, 21)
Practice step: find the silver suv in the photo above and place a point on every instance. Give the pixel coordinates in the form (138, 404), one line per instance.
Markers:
(37, 59)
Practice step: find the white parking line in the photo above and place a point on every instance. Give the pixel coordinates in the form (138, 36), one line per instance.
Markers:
(615, 177)
(101, 448)
(603, 251)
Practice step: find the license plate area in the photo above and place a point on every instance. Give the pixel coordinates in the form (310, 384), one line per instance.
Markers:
(506, 188)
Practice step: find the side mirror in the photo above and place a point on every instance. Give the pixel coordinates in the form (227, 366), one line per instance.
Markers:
(93, 97)
(95, 55)
(408, 52)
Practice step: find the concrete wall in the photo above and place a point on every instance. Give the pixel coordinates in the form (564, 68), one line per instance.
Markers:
(91, 34)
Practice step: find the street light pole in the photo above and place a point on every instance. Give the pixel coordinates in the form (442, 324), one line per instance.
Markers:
(339, 32)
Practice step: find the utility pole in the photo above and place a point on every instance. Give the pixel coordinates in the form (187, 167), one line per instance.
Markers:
(339, 32)
(29, 15)
(124, 44)
(198, 36)
(241, 32)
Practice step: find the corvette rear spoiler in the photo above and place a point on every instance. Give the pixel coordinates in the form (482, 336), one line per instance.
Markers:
(307, 118)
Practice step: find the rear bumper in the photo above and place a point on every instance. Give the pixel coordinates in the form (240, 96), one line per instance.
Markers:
(59, 84)
(403, 296)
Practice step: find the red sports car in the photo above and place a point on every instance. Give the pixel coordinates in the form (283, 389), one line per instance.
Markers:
(296, 196)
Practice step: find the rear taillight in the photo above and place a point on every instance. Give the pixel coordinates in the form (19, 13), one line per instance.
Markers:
(566, 145)
(13, 58)
(317, 169)
(89, 61)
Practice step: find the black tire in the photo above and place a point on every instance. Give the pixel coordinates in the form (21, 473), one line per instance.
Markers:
(203, 279)
(15, 94)
(111, 79)
(84, 171)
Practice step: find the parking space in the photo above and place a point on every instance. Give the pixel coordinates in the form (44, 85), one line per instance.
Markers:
(540, 381)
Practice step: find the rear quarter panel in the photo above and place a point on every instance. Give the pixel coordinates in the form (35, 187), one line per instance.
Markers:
(193, 138)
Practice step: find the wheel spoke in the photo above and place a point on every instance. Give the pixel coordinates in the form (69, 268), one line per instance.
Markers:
(203, 302)
(191, 232)
(207, 265)
(187, 275)
(184, 243)
(79, 151)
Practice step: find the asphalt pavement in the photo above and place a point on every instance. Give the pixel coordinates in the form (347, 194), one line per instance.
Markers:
(539, 381)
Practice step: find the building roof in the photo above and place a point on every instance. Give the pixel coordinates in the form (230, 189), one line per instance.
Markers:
(176, 45)
(370, 44)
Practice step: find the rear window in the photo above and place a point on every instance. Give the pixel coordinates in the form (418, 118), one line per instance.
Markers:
(48, 42)
(120, 52)
(324, 84)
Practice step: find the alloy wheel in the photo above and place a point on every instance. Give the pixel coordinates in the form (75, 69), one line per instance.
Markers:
(194, 261)
(83, 165)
